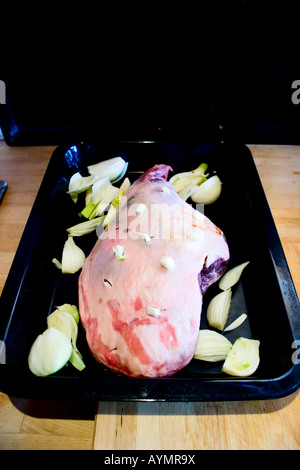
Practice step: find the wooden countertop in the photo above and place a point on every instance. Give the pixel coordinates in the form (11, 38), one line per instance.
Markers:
(39, 424)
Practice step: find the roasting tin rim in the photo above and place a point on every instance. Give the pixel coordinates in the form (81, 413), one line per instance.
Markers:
(14, 382)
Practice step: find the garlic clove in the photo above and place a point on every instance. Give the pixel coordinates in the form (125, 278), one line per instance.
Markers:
(167, 262)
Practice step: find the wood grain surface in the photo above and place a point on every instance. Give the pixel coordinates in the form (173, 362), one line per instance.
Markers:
(30, 424)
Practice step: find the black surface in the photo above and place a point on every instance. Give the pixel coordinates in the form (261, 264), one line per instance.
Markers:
(266, 292)
(127, 71)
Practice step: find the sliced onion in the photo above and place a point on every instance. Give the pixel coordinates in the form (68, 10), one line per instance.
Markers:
(111, 214)
(105, 194)
(120, 193)
(243, 358)
(181, 180)
(79, 184)
(195, 176)
(67, 324)
(72, 309)
(85, 227)
(89, 212)
(72, 258)
(110, 171)
(103, 189)
(218, 309)
(208, 192)
(236, 323)
(76, 360)
(56, 263)
(232, 276)
(211, 346)
(101, 207)
(187, 191)
(101, 195)
(122, 174)
(49, 353)
(116, 202)
(114, 168)
(64, 322)
(88, 195)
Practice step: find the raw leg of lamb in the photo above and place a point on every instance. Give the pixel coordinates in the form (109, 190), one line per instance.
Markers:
(141, 287)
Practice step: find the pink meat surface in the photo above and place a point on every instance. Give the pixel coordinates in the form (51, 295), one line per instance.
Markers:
(115, 295)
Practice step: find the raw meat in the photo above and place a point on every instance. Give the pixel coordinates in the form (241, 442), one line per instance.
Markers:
(141, 318)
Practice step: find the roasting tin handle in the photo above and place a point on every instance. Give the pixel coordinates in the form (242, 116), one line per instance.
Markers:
(3, 188)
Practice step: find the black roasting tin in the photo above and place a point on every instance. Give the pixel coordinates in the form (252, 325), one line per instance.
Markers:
(265, 292)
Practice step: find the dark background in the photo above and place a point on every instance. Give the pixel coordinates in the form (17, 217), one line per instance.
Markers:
(144, 71)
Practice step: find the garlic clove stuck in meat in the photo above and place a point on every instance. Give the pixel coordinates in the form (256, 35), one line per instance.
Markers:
(167, 262)
(153, 312)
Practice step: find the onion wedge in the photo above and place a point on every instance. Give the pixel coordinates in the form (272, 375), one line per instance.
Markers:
(72, 309)
(103, 189)
(211, 346)
(49, 353)
(85, 227)
(187, 191)
(121, 191)
(218, 309)
(64, 322)
(72, 258)
(114, 168)
(208, 192)
(236, 323)
(232, 276)
(116, 202)
(197, 176)
(78, 184)
(243, 358)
